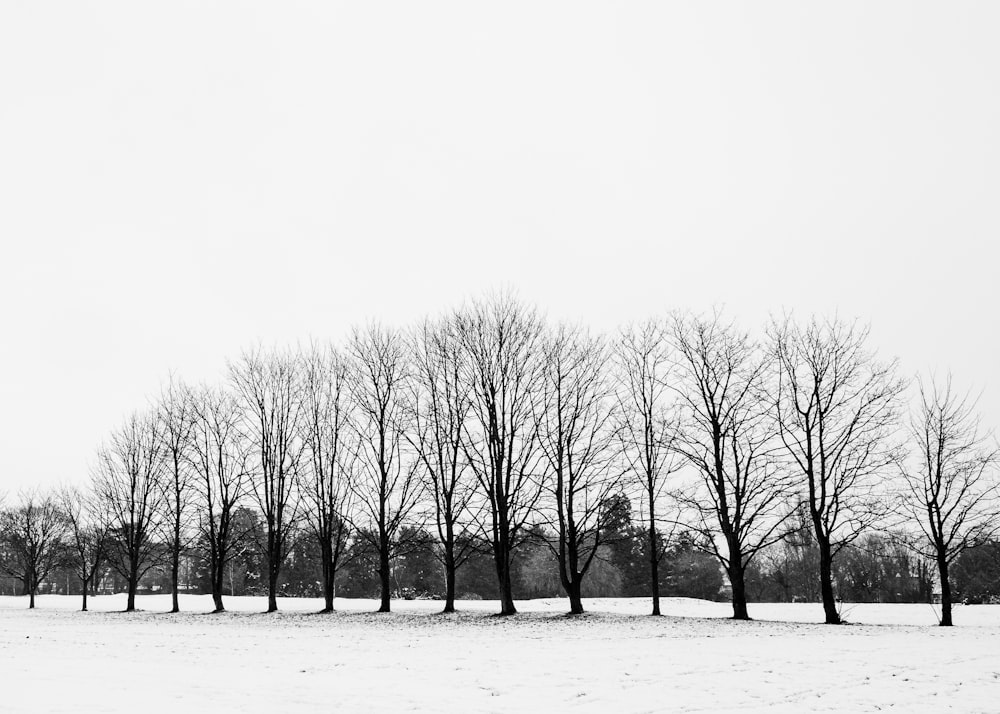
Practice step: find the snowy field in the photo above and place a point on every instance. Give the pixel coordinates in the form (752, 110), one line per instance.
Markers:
(614, 659)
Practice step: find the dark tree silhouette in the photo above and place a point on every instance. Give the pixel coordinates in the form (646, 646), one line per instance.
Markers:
(578, 440)
(501, 343)
(729, 436)
(89, 529)
(386, 487)
(951, 479)
(648, 433)
(177, 420)
(270, 396)
(220, 457)
(326, 484)
(439, 409)
(35, 533)
(129, 483)
(837, 409)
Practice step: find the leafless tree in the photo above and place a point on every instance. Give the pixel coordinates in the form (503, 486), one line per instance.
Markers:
(578, 439)
(35, 534)
(129, 482)
(327, 485)
(501, 342)
(88, 531)
(647, 430)
(729, 436)
(386, 488)
(837, 409)
(269, 387)
(951, 480)
(177, 420)
(220, 460)
(439, 409)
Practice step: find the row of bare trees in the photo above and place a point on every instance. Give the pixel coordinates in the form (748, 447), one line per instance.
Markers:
(488, 421)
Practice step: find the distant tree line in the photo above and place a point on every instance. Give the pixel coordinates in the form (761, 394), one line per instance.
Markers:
(490, 454)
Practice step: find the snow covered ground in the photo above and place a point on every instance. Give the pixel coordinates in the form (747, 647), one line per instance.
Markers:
(614, 659)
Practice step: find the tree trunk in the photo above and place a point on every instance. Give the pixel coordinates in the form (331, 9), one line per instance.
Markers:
(737, 579)
(449, 577)
(654, 568)
(826, 582)
(328, 594)
(273, 564)
(506, 595)
(575, 598)
(31, 599)
(218, 573)
(383, 576)
(329, 569)
(569, 574)
(85, 585)
(272, 589)
(133, 585)
(501, 556)
(329, 583)
(945, 591)
(175, 569)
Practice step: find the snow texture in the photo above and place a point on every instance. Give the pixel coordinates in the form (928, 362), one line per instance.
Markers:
(613, 659)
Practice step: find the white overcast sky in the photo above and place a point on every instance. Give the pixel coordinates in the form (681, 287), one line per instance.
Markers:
(179, 180)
